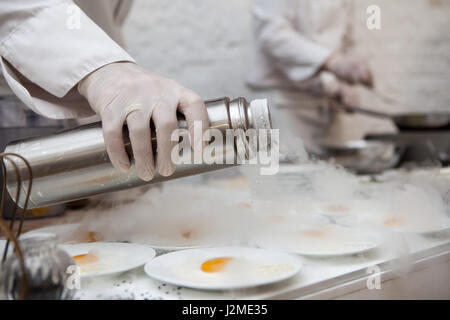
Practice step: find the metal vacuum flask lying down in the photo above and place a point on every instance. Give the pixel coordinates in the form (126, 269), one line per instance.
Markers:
(74, 164)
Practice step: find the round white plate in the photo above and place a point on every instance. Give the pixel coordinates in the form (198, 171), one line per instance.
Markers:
(328, 241)
(357, 247)
(247, 267)
(111, 257)
(437, 230)
(423, 231)
(60, 230)
(63, 230)
(166, 249)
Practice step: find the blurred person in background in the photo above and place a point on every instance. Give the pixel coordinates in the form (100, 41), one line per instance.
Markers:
(304, 54)
(66, 59)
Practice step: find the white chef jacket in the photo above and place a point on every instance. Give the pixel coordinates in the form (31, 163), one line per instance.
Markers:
(293, 40)
(43, 53)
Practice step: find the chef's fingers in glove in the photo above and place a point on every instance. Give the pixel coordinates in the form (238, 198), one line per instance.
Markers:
(194, 110)
(351, 68)
(141, 143)
(368, 78)
(112, 134)
(349, 95)
(123, 90)
(166, 122)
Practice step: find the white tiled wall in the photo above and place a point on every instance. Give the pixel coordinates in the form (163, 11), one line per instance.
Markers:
(205, 45)
(202, 44)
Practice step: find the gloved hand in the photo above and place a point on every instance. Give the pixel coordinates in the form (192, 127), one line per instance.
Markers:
(351, 68)
(339, 91)
(348, 95)
(123, 91)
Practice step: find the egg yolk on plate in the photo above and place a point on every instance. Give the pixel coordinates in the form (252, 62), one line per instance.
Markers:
(245, 205)
(395, 222)
(215, 265)
(237, 183)
(337, 208)
(186, 234)
(83, 259)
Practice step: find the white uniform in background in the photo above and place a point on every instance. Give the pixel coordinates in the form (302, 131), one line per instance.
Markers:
(294, 38)
(44, 79)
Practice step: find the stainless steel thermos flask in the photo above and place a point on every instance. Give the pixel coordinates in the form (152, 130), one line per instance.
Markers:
(74, 164)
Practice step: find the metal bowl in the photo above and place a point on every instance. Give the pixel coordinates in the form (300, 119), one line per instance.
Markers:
(362, 156)
(418, 121)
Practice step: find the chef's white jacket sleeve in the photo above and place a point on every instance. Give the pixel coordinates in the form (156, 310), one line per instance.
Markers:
(296, 56)
(46, 48)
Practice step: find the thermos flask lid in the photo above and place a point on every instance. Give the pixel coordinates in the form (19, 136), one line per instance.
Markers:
(260, 114)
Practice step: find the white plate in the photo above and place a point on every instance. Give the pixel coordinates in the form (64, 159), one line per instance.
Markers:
(345, 250)
(62, 231)
(437, 230)
(112, 257)
(248, 267)
(166, 249)
(418, 228)
(422, 231)
(325, 241)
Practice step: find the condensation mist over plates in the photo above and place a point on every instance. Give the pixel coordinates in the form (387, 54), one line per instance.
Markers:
(315, 209)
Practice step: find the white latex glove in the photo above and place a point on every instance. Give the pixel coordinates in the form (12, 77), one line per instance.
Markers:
(123, 91)
(351, 68)
(339, 91)
(349, 95)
